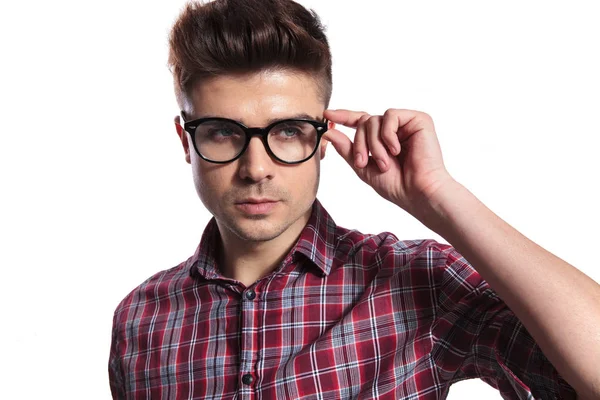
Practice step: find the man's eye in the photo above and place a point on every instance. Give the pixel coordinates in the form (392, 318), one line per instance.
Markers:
(222, 132)
(288, 132)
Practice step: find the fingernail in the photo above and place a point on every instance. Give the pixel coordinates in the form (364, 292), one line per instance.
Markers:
(381, 164)
(358, 159)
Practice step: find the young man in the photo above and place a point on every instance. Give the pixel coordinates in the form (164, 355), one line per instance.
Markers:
(280, 302)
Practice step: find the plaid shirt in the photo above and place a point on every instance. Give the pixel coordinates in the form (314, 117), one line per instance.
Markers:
(345, 315)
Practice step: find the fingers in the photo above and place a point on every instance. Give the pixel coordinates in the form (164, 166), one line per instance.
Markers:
(378, 135)
(341, 143)
(401, 124)
(361, 149)
(389, 131)
(376, 146)
(368, 139)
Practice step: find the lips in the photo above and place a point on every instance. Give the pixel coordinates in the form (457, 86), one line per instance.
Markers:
(255, 206)
(256, 201)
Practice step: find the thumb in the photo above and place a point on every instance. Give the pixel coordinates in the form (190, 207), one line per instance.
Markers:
(341, 143)
(344, 117)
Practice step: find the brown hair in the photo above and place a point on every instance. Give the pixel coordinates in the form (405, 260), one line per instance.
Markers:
(245, 36)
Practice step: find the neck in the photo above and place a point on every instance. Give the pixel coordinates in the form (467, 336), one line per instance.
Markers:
(248, 261)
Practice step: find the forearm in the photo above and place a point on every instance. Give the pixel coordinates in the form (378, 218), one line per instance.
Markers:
(558, 304)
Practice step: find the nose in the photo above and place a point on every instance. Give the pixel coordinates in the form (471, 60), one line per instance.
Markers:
(256, 164)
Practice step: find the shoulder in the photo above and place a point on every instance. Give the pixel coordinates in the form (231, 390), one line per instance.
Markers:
(386, 248)
(414, 263)
(159, 287)
(439, 264)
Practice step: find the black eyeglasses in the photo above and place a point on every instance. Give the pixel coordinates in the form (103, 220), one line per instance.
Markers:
(222, 140)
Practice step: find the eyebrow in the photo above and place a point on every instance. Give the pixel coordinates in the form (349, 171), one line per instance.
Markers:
(270, 121)
(295, 116)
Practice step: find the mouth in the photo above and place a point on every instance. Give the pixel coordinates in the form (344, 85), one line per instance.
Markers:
(254, 200)
(256, 206)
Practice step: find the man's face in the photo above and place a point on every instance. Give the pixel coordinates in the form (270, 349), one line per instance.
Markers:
(255, 100)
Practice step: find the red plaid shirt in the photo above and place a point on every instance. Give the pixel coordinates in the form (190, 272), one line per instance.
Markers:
(345, 315)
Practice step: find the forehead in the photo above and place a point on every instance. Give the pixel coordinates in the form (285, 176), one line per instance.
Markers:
(257, 98)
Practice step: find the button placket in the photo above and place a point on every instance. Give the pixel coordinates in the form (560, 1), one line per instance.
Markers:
(249, 338)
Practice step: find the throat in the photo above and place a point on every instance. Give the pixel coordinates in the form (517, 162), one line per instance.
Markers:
(248, 270)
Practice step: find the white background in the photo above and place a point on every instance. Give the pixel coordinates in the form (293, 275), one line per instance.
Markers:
(96, 195)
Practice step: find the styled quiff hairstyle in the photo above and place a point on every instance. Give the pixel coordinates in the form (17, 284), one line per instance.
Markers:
(247, 36)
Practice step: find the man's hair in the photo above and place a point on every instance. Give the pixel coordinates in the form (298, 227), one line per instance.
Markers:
(226, 37)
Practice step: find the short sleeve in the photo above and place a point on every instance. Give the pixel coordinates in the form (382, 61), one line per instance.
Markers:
(476, 335)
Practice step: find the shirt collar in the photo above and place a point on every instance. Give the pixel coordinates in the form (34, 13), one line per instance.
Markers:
(317, 243)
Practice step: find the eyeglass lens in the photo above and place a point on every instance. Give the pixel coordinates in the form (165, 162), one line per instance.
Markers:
(290, 141)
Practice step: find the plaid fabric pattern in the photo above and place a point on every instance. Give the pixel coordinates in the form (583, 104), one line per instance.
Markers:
(345, 316)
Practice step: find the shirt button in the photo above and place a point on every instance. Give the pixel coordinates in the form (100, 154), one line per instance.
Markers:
(250, 294)
(247, 379)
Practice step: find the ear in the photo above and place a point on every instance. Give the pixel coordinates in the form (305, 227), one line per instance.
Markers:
(323, 147)
(325, 142)
(184, 138)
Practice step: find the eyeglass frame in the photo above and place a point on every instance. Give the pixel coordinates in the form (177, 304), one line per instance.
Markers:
(190, 127)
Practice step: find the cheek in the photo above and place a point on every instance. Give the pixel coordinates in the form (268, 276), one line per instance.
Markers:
(210, 181)
(306, 179)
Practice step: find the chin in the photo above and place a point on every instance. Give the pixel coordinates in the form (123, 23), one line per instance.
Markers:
(257, 230)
